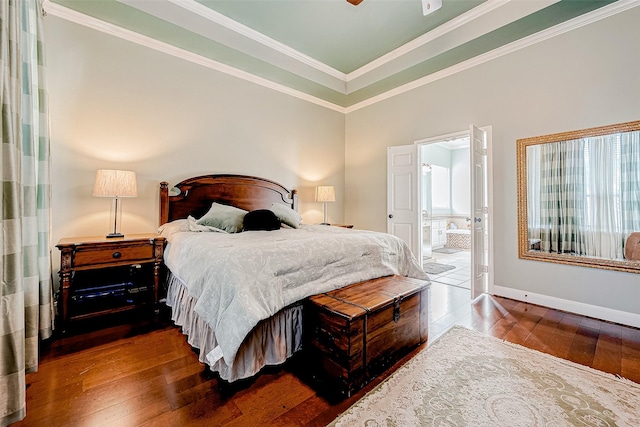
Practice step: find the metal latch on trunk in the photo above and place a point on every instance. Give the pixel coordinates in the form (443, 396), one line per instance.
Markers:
(396, 309)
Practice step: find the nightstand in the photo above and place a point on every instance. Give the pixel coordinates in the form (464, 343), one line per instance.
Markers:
(101, 276)
(342, 225)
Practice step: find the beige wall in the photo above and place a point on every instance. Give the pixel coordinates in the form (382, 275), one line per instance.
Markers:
(587, 77)
(118, 105)
(115, 104)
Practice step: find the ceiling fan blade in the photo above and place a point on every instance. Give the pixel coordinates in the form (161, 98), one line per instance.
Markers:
(355, 2)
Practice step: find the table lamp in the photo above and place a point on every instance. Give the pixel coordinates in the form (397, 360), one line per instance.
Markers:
(115, 184)
(324, 194)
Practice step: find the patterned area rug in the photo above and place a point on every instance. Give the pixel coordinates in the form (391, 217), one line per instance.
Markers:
(466, 378)
(435, 268)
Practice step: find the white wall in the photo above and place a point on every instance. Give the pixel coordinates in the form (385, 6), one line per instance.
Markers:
(584, 78)
(460, 184)
(115, 104)
(435, 155)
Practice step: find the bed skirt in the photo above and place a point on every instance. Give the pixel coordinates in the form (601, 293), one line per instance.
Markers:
(271, 342)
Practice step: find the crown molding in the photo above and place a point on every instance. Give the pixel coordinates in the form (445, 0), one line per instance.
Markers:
(246, 32)
(210, 24)
(131, 36)
(572, 24)
(220, 19)
(207, 22)
(477, 22)
(465, 18)
(105, 27)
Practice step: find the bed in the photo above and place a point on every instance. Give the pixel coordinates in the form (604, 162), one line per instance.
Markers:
(238, 296)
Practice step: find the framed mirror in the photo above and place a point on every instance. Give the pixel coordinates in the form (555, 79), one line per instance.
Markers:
(579, 197)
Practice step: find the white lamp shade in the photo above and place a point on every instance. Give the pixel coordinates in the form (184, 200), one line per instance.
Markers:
(325, 193)
(115, 183)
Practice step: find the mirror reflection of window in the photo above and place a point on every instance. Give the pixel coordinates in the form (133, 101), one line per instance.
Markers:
(440, 187)
(584, 195)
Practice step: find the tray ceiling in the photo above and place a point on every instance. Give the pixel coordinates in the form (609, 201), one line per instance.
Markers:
(328, 51)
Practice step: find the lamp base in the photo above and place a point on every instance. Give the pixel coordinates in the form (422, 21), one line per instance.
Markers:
(324, 223)
(116, 218)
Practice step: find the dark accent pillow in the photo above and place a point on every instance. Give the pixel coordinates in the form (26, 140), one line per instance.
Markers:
(261, 219)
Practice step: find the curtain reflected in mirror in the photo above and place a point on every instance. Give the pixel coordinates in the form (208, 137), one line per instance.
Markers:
(579, 197)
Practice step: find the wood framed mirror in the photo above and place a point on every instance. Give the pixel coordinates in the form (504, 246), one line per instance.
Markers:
(579, 197)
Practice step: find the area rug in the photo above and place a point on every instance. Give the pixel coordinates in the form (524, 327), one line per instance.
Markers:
(436, 268)
(447, 250)
(466, 378)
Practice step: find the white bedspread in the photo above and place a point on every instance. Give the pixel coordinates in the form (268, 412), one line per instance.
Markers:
(240, 279)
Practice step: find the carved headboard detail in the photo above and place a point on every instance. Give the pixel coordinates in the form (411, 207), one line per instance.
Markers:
(245, 192)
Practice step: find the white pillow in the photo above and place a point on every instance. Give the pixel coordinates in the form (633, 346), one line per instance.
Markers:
(194, 226)
(177, 226)
(227, 218)
(286, 215)
(185, 225)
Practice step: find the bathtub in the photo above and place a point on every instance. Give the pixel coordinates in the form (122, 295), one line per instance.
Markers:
(459, 231)
(458, 238)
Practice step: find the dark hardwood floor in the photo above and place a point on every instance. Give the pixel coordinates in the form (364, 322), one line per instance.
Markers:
(146, 374)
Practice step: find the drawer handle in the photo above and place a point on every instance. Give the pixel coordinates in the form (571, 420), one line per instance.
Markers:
(117, 254)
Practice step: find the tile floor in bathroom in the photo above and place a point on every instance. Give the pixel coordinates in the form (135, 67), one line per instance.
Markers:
(460, 276)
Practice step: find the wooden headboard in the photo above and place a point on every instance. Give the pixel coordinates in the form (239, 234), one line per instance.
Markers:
(244, 192)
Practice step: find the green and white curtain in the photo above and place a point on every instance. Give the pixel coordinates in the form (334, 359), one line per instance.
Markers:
(584, 195)
(630, 183)
(26, 303)
(561, 196)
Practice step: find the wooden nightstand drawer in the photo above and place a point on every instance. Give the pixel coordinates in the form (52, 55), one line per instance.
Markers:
(100, 275)
(91, 255)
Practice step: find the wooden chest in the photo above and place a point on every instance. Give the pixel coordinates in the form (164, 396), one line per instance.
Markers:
(355, 333)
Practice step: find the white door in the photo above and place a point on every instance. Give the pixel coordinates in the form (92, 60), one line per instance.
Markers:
(479, 211)
(403, 215)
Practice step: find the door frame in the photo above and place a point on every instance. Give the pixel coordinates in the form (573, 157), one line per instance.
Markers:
(431, 140)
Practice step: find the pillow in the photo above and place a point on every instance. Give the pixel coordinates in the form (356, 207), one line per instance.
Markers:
(286, 215)
(194, 226)
(261, 219)
(224, 217)
(177, 226)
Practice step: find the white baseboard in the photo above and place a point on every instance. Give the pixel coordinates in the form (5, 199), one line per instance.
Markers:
(597, 312)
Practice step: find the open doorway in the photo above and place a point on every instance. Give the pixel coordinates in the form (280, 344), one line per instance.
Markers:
(445, 201)
(405, 216)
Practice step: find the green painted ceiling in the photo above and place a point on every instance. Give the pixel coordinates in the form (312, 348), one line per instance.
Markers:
(341, 35)
(334, 33)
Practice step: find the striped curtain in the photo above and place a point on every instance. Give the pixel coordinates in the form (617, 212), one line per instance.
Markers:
(630, 181)
(561, 196)
(603, 229)
(26, 306)
(584, 195)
